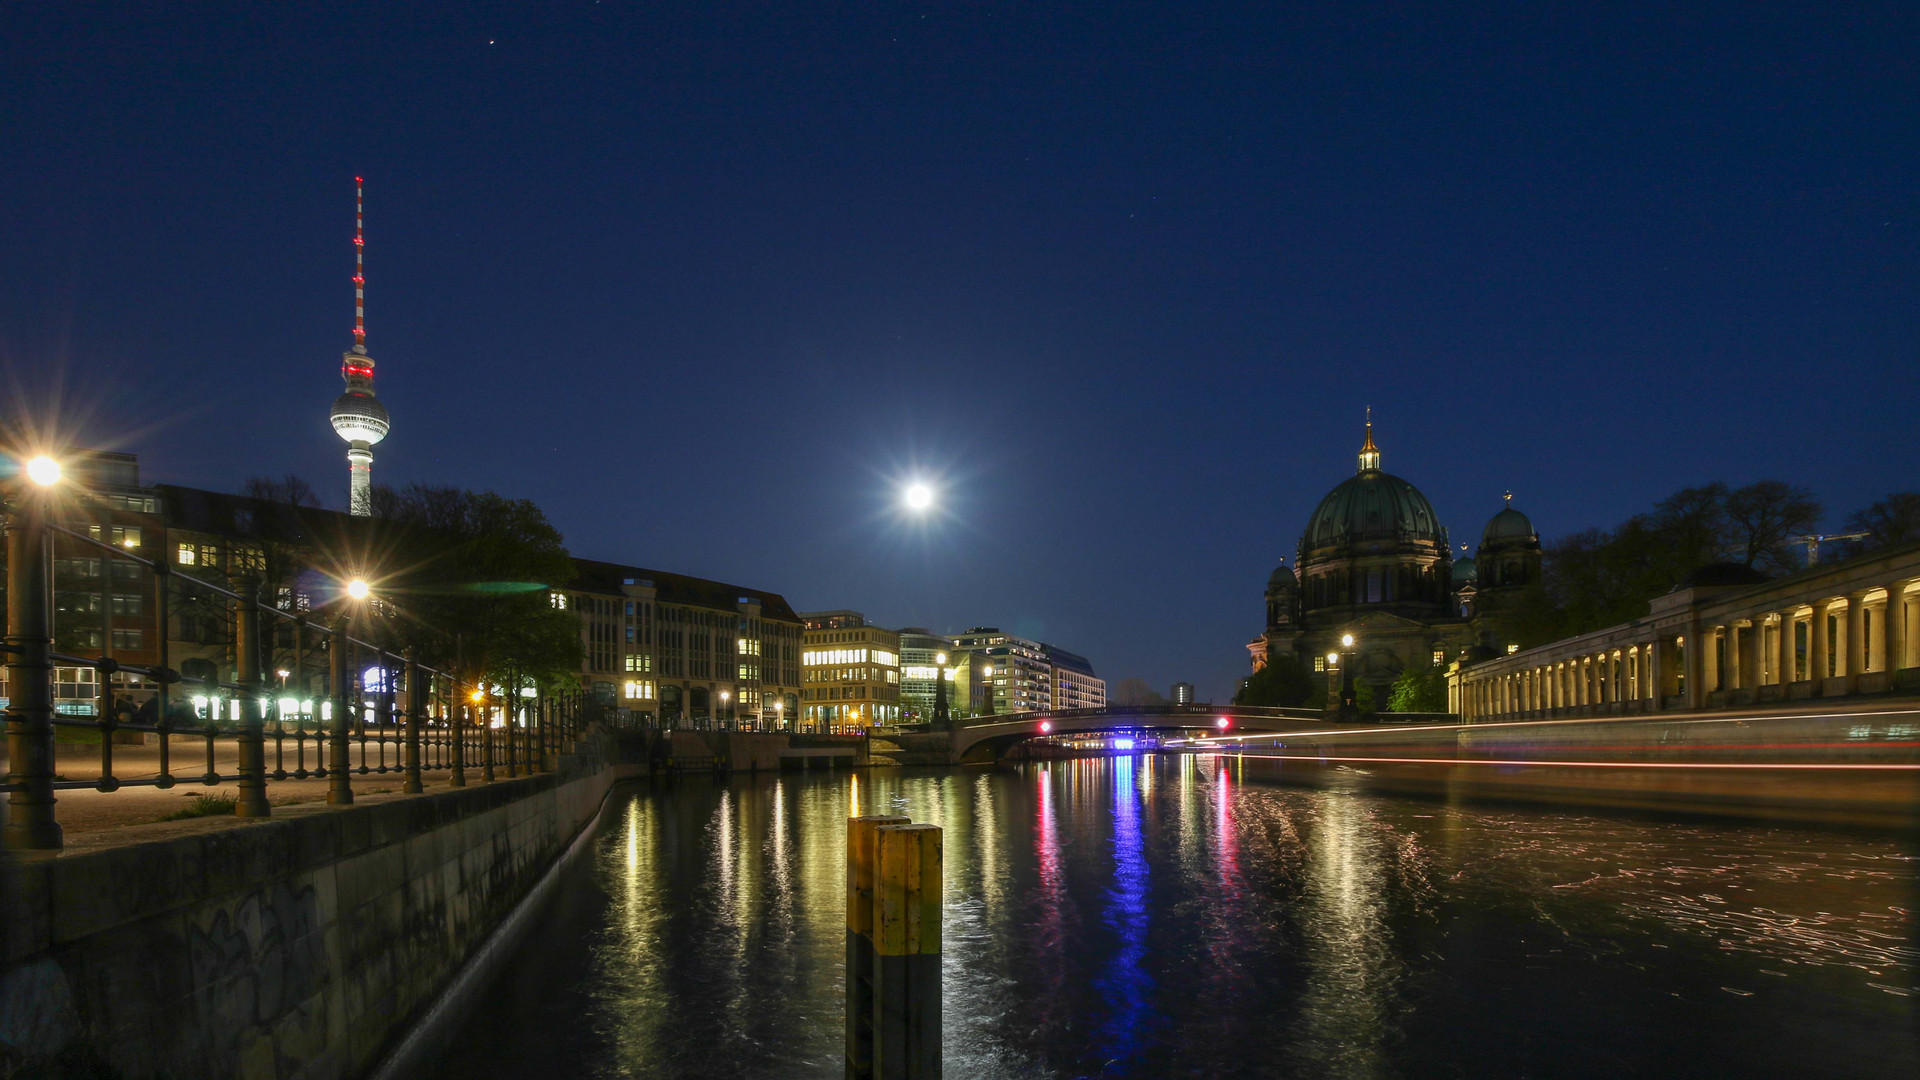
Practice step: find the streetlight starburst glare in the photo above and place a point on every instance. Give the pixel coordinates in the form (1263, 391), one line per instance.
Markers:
(358, 589)
(43, 470)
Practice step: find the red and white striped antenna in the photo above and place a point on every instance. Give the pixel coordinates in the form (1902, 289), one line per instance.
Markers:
(359, 268)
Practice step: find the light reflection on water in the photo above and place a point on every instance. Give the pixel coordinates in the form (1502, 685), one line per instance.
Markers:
(1153, 917)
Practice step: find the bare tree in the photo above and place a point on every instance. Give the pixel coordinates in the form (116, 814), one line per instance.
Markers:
(1132, 691)
(288, 489)
(1893, 520)
(1762, 516)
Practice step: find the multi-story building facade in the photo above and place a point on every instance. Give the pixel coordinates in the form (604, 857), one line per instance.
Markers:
(850, 672)
(1021, 675)
(1074, 684)
(1183, 693)
(924, 658)
(686, 651)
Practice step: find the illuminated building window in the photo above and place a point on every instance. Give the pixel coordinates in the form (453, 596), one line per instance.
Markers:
(1439, 657)
(637, 662)
(1319, 663)
(559, 601)
(1513, 647)
(185, 555)
(639, 690)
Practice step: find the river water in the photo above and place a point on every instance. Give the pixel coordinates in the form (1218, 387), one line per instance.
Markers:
(1157, 917)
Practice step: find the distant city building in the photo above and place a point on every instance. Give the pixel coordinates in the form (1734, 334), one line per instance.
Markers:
(1375, 562)
(850, 672)
(1075, 686)
(1032, 676)
(686, 650)
(1183, 693)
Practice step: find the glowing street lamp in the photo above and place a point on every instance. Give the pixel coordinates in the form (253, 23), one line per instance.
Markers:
(358, 589)
(918, 497)
(43, 470)
(1348, 701)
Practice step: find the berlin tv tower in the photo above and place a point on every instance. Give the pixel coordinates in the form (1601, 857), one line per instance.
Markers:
(358, 417)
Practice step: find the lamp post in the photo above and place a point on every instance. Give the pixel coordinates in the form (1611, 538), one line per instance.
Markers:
(725, 717)
(340, 670)
(942, 715)
(30, 820)
(1349, 703)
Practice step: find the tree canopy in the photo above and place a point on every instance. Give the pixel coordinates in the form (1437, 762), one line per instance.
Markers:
(470, 578)
(1280, 684)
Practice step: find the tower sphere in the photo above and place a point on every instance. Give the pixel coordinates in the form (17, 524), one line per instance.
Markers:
(359, 418)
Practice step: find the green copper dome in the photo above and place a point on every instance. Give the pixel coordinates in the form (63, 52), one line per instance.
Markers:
(1464, 570)
(1508, 524)
(1282, 578)
(1372, 505)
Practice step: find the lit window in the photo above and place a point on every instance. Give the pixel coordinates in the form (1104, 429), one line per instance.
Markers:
(1439, 657)
(1512, 647)
(185, 555)
(559, 601)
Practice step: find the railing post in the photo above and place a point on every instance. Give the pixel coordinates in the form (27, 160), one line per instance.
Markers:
(486, 741)
(339, 780)
(30, 818)
(416, 710)
(457, 730)
(252, 801)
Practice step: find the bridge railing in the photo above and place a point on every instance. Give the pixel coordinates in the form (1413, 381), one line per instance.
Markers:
(336, 706)
(1204, 713)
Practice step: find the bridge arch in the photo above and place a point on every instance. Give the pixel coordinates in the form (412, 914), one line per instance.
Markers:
(986, 738)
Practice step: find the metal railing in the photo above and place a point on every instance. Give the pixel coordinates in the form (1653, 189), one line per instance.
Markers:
(395, 716)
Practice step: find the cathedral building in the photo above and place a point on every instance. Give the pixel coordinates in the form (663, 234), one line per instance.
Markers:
(1375, 562)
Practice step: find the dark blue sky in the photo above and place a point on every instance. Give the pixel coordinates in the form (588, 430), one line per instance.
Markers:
(704, 281)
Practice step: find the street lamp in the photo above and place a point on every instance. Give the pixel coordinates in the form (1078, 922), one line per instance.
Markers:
(723, 708)
(1348, 701)
(43, 470)
(29, 660)
(358, 589)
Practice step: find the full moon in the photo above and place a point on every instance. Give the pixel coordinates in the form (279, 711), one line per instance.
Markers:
(919, 496)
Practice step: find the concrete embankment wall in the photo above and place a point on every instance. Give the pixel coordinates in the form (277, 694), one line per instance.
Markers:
(299, 947)
(1860, 768)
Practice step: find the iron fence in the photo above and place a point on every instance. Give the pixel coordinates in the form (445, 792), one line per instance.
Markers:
(373, 712)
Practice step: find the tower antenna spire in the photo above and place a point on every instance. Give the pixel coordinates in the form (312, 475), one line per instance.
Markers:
(359, 266)
(358, 417)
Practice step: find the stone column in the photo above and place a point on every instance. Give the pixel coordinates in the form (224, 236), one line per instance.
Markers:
(1894, 637)
(1783, 666)
(1695, 658)
(1752, 639)
(1817, 648)
(1856, 640)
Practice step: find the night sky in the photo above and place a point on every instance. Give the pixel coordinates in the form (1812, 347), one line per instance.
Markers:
(710, 282)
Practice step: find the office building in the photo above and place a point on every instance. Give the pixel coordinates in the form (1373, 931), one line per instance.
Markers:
(850, 672)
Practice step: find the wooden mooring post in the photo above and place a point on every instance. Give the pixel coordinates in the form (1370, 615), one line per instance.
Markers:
(894, 883)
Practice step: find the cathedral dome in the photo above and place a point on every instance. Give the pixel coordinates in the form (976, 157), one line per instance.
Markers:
(1372, 505)
(1282, 579)
(1508, 524)
(1464, 570)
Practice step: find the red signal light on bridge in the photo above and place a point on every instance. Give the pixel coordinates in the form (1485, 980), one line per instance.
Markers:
(1046, 726)
(1223, 723)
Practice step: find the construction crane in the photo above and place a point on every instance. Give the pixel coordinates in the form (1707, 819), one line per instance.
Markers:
(1812, 542)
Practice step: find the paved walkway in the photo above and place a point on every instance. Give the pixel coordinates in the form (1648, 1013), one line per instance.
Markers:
(94, 819)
